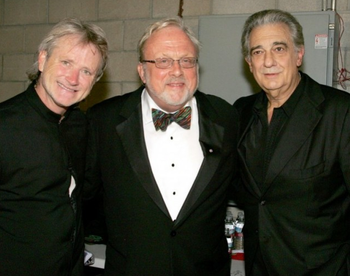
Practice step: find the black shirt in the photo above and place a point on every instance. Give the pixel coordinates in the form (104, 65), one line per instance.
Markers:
(262, 138)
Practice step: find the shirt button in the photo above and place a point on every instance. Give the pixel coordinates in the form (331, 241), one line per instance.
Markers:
(263, 202)
(173, 233)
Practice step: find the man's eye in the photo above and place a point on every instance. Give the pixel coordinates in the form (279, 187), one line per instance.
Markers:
(279, 49)
(86, 72)
(164, 60)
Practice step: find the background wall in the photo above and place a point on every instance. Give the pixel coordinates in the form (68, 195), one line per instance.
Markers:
(23, 23)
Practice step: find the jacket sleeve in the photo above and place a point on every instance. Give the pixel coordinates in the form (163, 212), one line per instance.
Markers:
(344, 149)
(93, 183)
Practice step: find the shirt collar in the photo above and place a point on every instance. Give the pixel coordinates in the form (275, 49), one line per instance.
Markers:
(42, 109)
(289, 106)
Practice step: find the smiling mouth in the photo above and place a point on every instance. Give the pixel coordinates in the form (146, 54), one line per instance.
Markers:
(175, 84)
(66, 88)
(271, 73)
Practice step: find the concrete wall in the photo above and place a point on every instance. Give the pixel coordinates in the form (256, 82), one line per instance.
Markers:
(23, 23)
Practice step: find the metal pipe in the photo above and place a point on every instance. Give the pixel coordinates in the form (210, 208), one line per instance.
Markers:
(333, 4)
(324, 5)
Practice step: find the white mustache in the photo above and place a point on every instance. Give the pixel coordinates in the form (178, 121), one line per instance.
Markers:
(176, 80)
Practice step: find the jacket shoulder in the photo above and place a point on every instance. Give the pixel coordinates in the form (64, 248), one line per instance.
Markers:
(114, 104)
(211, 101)
(12, 102)
(244, 101)
(245, 104)
(332, 92)
(325, 96)
(109, 103)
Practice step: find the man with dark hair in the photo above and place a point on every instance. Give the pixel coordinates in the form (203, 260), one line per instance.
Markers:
(294, 155)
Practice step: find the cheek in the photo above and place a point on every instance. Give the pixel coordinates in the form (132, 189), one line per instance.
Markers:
(160, 74)
(253, 69)
(87, 83)
(54, 70)
(157, 78)
(191, 76)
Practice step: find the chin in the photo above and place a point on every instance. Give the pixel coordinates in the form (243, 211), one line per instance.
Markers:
(174, 101)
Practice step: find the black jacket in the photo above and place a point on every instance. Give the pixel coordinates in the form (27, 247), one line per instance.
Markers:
(40, 224)
(143, 239)
(300, 218)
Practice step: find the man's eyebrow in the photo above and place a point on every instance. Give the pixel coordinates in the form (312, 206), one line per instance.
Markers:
(280, 43)
(273, 44)
(256, 47)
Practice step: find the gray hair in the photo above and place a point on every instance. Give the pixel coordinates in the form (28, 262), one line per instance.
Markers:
(271, 17)
(177, 22)
(89, 33)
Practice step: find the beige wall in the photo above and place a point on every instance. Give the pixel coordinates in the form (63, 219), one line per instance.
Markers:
(24, 22)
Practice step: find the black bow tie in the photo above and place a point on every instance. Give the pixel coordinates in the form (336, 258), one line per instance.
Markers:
(182, 117)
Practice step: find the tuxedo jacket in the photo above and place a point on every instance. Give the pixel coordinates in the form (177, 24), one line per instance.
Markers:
(301, 218)
(142, 237)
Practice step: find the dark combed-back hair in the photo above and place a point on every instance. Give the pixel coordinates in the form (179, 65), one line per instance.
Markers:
(271, 17)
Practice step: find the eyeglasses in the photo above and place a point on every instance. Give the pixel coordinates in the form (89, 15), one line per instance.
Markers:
(164, 63)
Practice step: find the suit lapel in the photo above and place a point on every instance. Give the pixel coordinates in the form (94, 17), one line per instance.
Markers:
(300, 126)
(211, 140)
(132, 137)
(246, 121)
(131, 134)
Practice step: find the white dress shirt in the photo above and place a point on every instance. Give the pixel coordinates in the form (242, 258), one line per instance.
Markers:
(175, 155)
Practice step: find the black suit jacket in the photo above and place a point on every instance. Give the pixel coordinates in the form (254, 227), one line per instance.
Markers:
(301, 220)
(143, 239)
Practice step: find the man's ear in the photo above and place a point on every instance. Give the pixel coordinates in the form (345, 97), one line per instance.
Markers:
(300, 54)
(41, 60)
(141, 72)
(247, 59)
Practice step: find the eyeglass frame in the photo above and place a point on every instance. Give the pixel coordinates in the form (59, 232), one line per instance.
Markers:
(154, 61)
